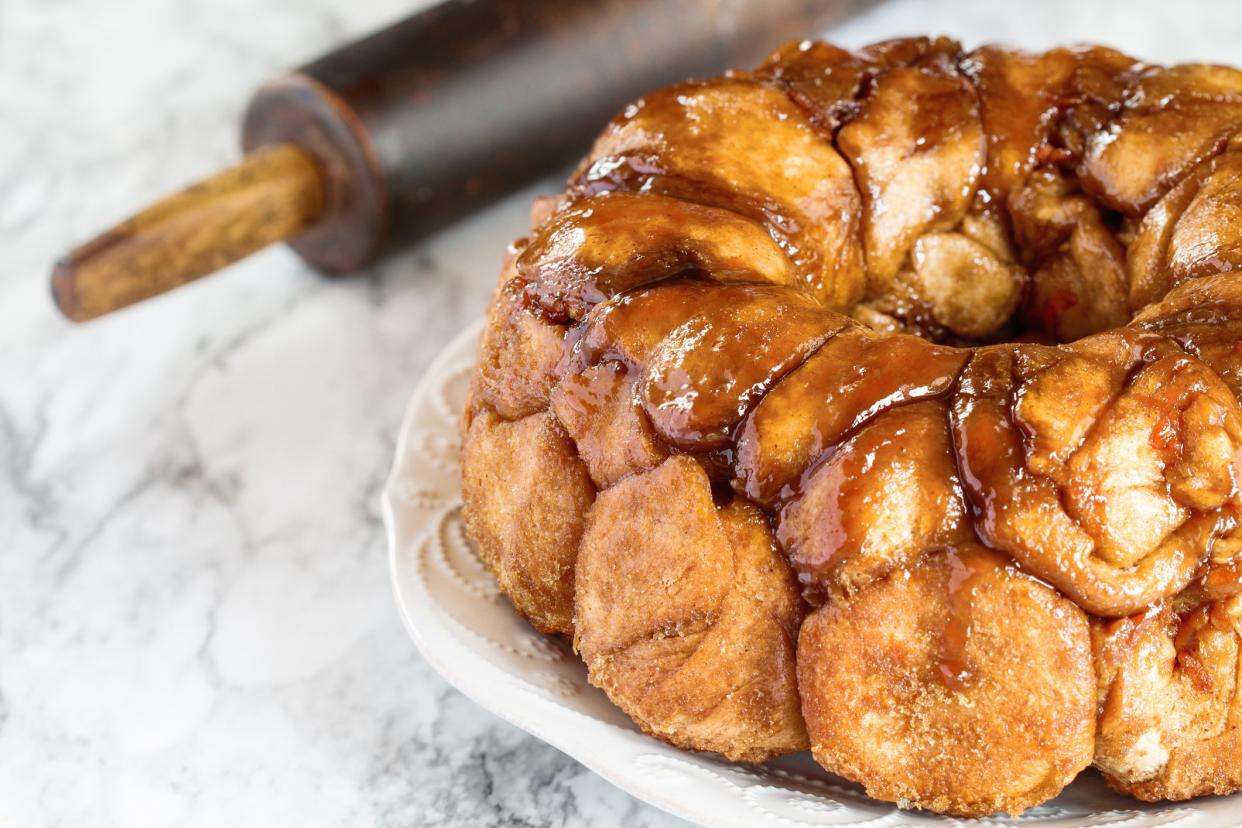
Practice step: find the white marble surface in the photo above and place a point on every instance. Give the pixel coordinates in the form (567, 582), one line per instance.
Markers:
(196, 625)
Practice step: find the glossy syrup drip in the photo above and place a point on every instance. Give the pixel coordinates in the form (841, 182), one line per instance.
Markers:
(1223, 581)
(1167, 432)
(965, 569)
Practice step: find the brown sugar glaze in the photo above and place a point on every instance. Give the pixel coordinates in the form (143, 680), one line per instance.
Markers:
(776, 264)
(710, 352)
(713, 340)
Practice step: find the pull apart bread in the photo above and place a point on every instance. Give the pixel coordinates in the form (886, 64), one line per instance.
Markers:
(885, 403)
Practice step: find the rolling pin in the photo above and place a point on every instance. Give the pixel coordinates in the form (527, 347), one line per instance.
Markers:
(391, 137)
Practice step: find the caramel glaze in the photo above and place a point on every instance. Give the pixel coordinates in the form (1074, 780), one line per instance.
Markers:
(967, 565)
(1211, 604)
(723, 238)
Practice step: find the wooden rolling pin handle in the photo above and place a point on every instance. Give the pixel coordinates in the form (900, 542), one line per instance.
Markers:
(272, 195)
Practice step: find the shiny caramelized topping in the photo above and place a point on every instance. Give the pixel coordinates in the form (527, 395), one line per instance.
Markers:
(606, 245)
(967, 567)
(958, 335)
(740, 145)
(844, 384)
(917, 150)
(712, 241)
(877, 502)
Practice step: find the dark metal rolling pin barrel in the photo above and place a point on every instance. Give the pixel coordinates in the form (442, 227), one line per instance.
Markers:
(379, 143)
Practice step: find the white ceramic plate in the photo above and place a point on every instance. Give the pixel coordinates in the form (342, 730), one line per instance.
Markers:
(470, 634)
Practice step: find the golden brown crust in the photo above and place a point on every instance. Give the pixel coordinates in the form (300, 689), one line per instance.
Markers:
(518, 355)
(958, 685)
(1204, 317)
(686, 616)
(526, 496)
(1171, 707)
(1109, 518)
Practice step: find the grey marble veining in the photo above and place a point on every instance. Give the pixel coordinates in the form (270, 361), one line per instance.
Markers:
(195, 618)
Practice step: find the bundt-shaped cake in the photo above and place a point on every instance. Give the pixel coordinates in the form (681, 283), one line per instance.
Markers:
(885, 403)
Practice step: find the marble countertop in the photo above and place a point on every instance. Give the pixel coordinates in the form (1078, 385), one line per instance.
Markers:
(196, 625)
